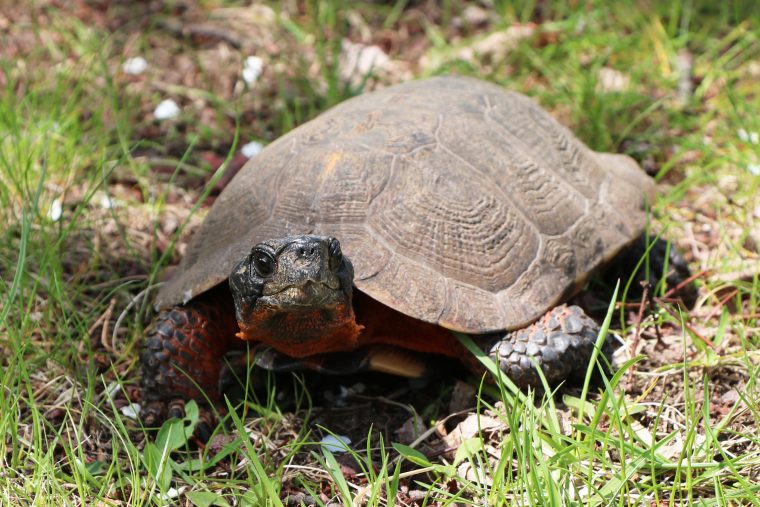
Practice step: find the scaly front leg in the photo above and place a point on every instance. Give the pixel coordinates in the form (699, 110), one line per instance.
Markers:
(184, 353)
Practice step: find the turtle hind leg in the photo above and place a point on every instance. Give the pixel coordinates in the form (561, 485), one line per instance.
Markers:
(667, 259)
(663, 258)
(561, 342)
(183, 355)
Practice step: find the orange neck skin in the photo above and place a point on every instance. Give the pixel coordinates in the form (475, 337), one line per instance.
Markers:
(320, 330)
(304, 333)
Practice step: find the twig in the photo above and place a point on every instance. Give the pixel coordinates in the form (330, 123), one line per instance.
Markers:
(117, 281)
(637, 333)
(721, 304)
(651, 303)
(685, 324)
(744, 275)
(131, 304)
(430, 431)
(674, 290)
(110, 347)
(178, 29)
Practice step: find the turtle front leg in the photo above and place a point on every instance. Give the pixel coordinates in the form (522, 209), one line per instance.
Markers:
(561, 342)
(183, 356)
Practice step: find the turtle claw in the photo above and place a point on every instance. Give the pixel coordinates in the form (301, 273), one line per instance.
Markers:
(207, 423)
(176, 408)
(153, 413)
(561, 343)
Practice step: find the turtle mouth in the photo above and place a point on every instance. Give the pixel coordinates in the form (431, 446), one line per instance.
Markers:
(309, 295)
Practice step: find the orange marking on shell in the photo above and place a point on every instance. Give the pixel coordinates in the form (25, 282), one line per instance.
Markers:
(330, 166)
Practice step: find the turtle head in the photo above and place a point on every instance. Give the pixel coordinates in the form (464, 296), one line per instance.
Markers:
(294, 294)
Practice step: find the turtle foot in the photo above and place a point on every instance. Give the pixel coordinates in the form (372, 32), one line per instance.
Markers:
(561, 343)
(663, 260)
(156, 412)
(182, 358)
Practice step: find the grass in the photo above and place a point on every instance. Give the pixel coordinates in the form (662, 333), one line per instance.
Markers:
(95, 198)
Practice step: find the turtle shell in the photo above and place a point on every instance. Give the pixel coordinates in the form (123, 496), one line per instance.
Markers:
(457, 201)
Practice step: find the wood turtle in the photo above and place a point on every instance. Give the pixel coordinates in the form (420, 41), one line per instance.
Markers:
(440, 204)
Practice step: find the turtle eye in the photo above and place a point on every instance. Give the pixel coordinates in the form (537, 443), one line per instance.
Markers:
(263, 263)
(336, 255)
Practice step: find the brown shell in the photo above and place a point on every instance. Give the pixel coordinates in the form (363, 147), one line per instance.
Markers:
(458, 202)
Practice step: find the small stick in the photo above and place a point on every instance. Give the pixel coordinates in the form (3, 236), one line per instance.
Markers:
(721, 304)
(650, 303)
(637, 333)
(131, 304)
(110, 347)
(686, 325)
(177, 29)
(686, 282)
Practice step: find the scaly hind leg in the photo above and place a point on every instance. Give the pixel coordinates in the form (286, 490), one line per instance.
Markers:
(183, 356)
(561, 342)
(656, 260)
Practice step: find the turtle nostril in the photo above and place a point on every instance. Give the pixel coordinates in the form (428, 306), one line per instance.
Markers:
(307, 251)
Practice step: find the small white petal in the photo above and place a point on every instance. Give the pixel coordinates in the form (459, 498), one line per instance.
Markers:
(250, 150)
(611, 80)
(335, 444)
(105, 202)
(112, 389)
(254, 62)
(748, 137)
(166, 109)
(131, 411)
(754, 169)
(56, 209)
(135, 66)
(252, 68)
(170, 493)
